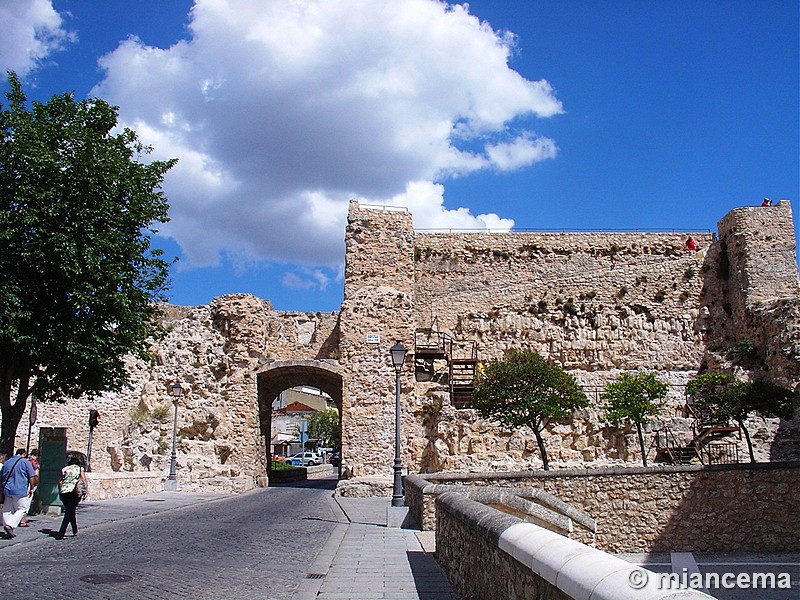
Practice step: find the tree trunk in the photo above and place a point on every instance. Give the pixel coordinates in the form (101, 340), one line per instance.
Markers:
(8, 429)
(749, 442)
(543, 452)
(641, 443)
(11, 415)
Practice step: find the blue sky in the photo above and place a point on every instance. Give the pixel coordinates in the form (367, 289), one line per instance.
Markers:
(552, 115)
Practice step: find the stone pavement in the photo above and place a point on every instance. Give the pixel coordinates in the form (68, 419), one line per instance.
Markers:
(362, 558)
(365, 560)
(92, 513)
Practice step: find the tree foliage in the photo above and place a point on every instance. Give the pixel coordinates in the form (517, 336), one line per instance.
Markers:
(324, 426)
(723, 398)
(78, 275)
(634, 399)
(524, 389)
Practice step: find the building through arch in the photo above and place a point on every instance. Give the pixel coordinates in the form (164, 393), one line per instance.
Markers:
(279, 375)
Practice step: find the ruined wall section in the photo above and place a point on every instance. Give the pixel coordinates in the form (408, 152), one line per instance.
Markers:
(758, 275)
(214, 351)
(592, 302)
(600, 304)
(377, 310)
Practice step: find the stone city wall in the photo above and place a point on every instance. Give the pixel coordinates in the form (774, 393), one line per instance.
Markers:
(597, 303)
(600, 304)
(589, 301)
(214, 351)
(720, 508)
(377, 310)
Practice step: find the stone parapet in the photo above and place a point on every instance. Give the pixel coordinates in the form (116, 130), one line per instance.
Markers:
(659, 509)
(488, 554)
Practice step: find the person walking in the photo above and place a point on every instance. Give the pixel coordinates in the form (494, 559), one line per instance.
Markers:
(72, 476)
(18, 480)
(33, 457)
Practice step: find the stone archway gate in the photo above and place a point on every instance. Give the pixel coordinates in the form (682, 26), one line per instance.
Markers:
(279, 375)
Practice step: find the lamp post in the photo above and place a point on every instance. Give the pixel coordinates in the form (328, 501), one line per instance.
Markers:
(171, 484)
(398, 353)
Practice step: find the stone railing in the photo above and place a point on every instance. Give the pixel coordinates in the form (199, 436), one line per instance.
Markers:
(668, 508)
(531, 504)
(103, 486)
(528, 561)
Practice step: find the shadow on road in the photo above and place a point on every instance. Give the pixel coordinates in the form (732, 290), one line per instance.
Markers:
(326, 483)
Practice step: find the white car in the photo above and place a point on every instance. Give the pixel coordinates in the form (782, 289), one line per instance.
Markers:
(304, 459)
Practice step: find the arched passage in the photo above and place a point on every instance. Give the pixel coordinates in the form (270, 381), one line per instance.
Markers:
(279, 375)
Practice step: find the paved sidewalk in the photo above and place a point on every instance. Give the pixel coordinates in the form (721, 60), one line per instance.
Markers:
(365, 560)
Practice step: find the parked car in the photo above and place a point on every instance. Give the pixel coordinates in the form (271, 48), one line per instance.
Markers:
(304, 459)
(335, 459)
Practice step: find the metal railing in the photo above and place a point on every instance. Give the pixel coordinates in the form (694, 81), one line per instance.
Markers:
(721, 453)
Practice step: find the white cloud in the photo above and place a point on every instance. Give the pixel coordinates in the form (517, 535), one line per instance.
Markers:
(280, 112)
(30, 31)
(521, 152)
(425, 201)
(306, 279)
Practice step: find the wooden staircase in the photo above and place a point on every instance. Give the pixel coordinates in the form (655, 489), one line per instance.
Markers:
(461, 357)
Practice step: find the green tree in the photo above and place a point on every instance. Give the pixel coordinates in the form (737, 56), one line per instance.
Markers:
(634, 399)
(78, 276)
(725, 399)
(324, 426)
(524, 389)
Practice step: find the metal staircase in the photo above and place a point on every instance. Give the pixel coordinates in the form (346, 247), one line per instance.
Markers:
(707, 444)
(461, 357)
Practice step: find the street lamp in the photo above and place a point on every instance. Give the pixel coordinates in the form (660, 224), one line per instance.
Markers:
(176, 390)
(398, 353)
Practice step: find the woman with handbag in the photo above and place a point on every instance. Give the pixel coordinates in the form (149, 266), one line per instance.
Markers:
(72, 488)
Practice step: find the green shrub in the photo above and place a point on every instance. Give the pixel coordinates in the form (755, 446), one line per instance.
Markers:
(747, 349)
(139, 415)
(160, 413)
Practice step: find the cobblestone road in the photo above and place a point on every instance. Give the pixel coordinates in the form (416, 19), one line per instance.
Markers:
(258, 545)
